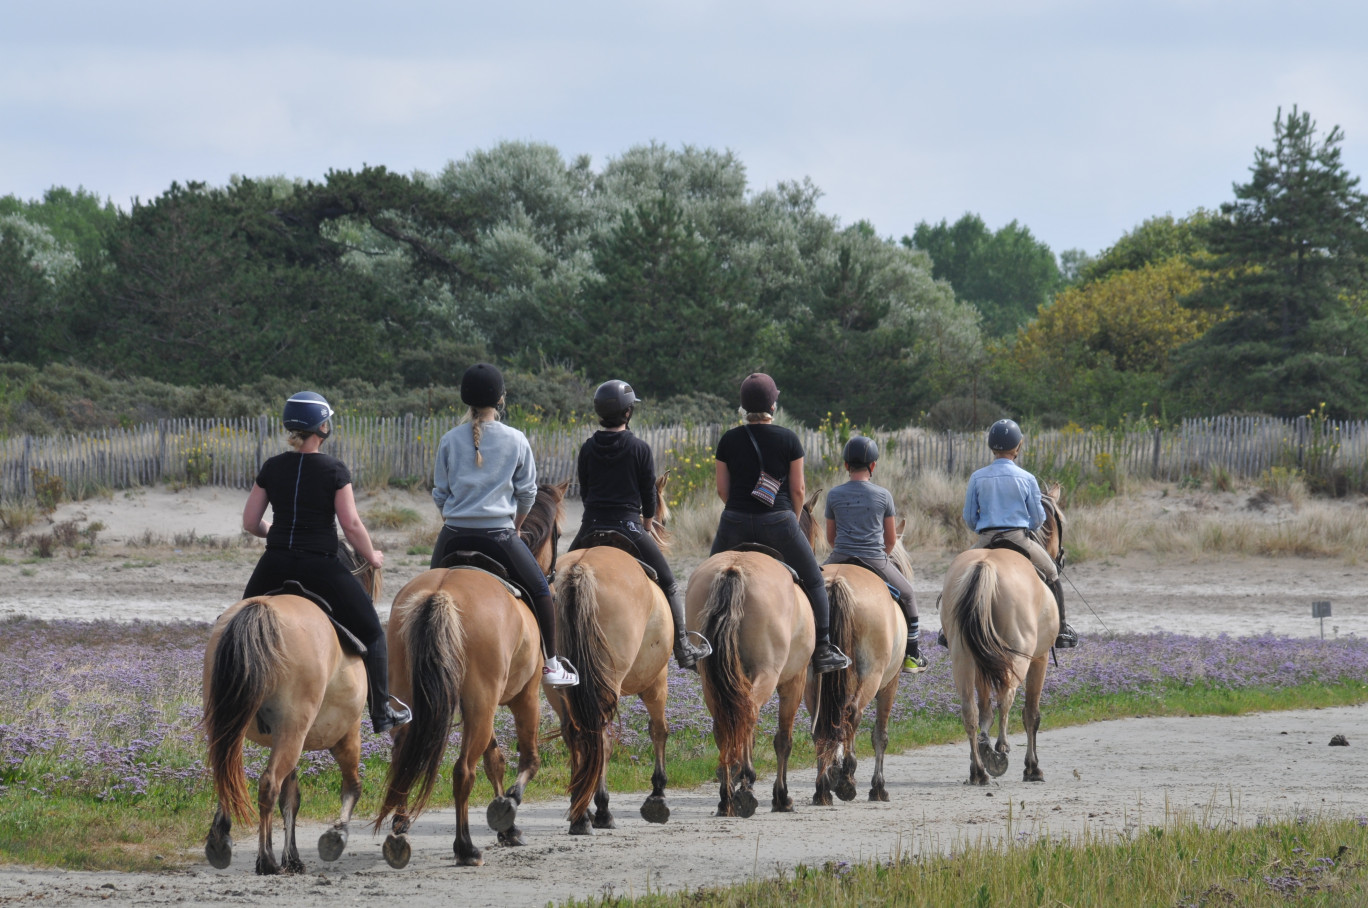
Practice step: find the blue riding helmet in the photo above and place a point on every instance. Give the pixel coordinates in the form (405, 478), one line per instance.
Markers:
(306, 412)
(1004, 435)
(860, 451)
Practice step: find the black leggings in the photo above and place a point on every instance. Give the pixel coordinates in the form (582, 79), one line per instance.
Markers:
(323, 575)
(646, 546)
(779, 530)
(506, 547)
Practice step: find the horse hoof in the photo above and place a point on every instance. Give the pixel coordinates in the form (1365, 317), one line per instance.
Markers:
(655, 810)
(784, 806)
(744, 804)
(581, 827)
(1029, 776)
(472, 858)
(397, 851)
(878, 794)
(502, 814)
(512, 837)
(821, 800)
(994, 762)
(219, 853)
(294, 866)
(604, 820)
(845, 790)
(331, 844)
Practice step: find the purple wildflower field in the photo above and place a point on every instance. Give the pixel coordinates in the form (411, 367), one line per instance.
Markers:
(110, 710)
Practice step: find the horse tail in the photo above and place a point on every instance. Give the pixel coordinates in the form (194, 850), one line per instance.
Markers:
(836, 695)
(247, 667)
(591, 704)
(734, 720)
(972, 612)
(437, 659)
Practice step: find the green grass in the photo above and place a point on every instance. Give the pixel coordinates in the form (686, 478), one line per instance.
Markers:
(1188, 861)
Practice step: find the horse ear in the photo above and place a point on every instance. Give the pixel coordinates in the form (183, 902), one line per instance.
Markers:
(661, 480)
(562, 487)
(899, 526)
(812, 499)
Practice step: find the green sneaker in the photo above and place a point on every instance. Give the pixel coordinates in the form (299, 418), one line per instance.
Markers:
(914, 665)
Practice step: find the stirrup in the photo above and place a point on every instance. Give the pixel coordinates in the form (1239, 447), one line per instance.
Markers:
(1067, 638)
(703, 646)
(390, 718)
(834, 661)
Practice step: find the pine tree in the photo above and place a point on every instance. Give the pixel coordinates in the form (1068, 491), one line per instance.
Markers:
(1290, 257)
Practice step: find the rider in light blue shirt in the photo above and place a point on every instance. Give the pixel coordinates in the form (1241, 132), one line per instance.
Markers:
(1003, 500)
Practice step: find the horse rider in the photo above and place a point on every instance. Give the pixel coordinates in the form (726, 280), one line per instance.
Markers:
(484, 484)
(1003, 501)
(860, 529)
(618, 486)
(310, 493)
(760, 480)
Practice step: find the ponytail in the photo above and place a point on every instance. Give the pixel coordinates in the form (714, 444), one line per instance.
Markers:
(478, 416)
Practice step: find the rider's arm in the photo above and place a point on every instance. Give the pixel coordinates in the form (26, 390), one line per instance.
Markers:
(797, 485)
(723, 481)
(890, 536)
(344, 502)
(831, 531)
(254, 513)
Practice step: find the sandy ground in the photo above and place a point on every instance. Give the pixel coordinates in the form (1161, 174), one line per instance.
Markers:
(1115, 776)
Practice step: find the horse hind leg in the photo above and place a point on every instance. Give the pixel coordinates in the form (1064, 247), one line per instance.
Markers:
(790, 695)
(1030, 715)
(218, 847)
(969, 714)
(878, 737)
(289, 814)
(526, 709)
(654, 809)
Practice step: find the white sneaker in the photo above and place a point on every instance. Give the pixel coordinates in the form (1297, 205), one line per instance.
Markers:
(554, 675)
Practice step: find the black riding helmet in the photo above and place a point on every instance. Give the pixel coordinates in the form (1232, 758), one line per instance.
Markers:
(482, 385)
(860, 451)
(612, 400)
(306, 411)
(1004, 435)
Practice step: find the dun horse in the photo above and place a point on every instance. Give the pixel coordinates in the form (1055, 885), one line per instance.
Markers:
(868, 625)
(461, 641)
(276, 674)
(1000, 620)
(759, 622)
(614, 625)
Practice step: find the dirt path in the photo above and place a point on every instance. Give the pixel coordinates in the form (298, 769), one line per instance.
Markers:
(1117, 777)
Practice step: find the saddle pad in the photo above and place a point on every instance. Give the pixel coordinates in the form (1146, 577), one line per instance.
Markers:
(345, 637)
(611, 539)
(466, 558)
(773, 553)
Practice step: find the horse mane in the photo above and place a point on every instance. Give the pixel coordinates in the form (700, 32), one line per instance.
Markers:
(1052, 530)
(807, 524)
(658, 531)
(543, 522)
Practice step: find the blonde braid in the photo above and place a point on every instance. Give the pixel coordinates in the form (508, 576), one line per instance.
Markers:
(477, 416)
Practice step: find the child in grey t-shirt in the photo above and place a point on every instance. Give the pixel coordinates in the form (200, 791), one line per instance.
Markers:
(860, 527)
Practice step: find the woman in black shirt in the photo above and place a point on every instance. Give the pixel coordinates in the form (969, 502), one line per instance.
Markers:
(309, 493)
(747, 519)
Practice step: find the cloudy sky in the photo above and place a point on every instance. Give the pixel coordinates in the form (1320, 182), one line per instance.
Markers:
(1078, 118)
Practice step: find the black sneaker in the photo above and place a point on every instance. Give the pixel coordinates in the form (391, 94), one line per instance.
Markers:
(828, 658)
(388, 717)
(1067, 639)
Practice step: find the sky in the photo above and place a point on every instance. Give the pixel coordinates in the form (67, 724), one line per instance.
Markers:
(1076, 118)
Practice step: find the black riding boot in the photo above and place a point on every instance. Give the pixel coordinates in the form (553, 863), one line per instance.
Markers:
(685, 652)
(827, 656)
(383, 716)
(1068, 637)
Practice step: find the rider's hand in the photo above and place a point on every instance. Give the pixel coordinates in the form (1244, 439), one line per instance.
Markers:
(376, 559)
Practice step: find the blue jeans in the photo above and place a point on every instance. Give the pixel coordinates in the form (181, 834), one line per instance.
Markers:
(779, 530)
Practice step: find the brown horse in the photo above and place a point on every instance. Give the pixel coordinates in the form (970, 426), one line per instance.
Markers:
(868, 625)
(460, 640)
(276, 674)
(1000, 620)
(541, 528)
(759, 622)
(614, 625)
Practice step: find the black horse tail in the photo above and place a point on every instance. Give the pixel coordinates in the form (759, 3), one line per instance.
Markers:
(437, 660)
(836, 716)
(591, 704)
(734, 720)
(247, 666)
(972, 612)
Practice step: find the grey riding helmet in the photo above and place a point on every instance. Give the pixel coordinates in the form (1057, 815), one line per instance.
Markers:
(1004, 435)
(613, 399)
(306, 412)
(860, 451)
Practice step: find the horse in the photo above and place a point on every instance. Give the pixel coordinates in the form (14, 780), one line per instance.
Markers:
(613, 623)
(276, 674)
(541, 528)
(868, 626)
(1000, 620)
(759, 621)
(461, 640)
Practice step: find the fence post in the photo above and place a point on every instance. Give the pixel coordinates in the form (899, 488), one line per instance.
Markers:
(949, 453)
(1158, 434)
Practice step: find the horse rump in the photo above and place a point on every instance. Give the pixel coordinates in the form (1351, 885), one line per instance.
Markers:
(246, 669)
(972, 612)
(836, 716)
(590, 705)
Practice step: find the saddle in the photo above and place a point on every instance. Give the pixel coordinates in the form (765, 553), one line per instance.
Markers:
(462, 560)
(773, 553)
(1000, 541)
(614, 540)
(344, 636)
(857, 560)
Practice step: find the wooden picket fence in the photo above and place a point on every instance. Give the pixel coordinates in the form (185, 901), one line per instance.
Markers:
(385, 450)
